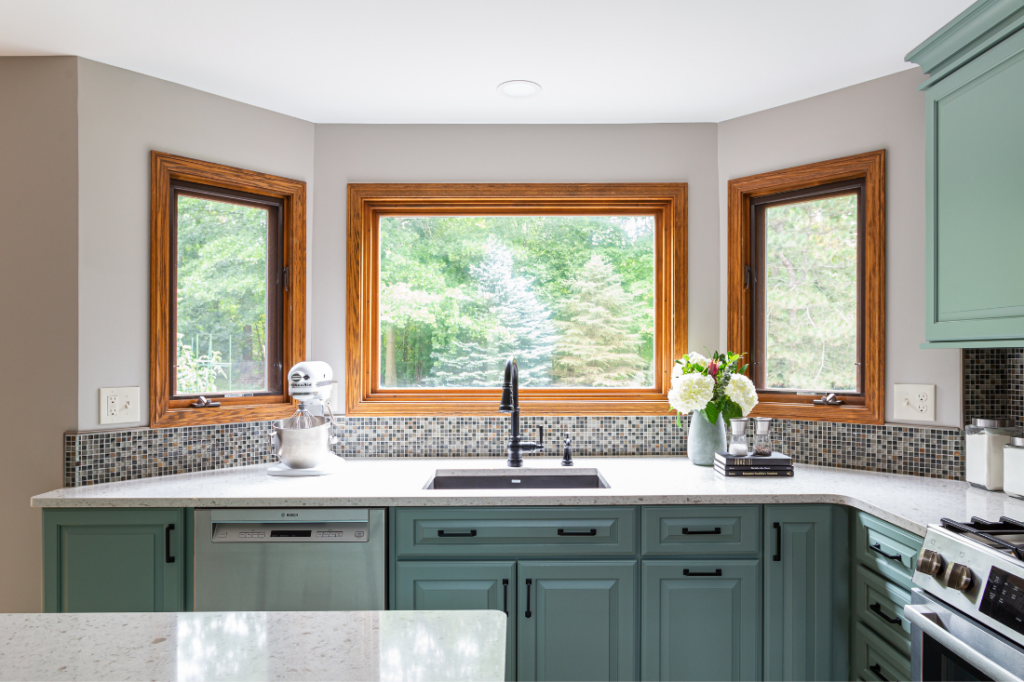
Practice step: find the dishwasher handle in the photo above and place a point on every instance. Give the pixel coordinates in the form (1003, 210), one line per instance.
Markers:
(928, 622)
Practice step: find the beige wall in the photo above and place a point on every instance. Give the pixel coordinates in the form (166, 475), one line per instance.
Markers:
(122, 117)
(887, 113)
(683, 152)
(38, 305)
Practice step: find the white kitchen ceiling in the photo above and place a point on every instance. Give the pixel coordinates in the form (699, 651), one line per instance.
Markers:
(440, 61)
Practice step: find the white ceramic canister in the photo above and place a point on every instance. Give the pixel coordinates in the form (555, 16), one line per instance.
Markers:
(986, 439)
(1013, 468)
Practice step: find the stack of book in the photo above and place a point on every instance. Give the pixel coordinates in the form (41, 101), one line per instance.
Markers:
(776, 464)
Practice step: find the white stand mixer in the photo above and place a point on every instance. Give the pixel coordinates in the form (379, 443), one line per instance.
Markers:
(303, 441)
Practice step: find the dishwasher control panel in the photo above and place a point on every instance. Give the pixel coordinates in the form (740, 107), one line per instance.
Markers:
(348, 531)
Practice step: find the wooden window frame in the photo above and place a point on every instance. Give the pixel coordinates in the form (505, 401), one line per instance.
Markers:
(167, 172)
(367, 203)
(868, 406)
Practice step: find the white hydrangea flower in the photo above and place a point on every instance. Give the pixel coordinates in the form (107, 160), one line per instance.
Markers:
(691, 392)
(677, 372)
(741, 391)
(698, 359)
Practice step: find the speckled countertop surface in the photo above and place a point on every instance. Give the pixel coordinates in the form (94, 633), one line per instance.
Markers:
(906, 501)
(322, 645)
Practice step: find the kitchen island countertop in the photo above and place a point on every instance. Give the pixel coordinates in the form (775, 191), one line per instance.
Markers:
(250, 645)
(906, 501)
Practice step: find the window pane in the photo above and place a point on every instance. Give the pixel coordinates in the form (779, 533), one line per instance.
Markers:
(572, 297)
(222, 297)
(811, 289)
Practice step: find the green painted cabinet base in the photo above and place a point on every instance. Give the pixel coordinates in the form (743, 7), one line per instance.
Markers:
(701, 620)
(97, 560)
(576, 620)
(806, 569)
(463, 586)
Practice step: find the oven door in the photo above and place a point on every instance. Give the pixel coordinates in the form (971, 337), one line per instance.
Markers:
(947, 645)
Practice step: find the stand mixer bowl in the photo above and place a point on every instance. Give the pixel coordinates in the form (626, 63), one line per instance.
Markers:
(303, 448)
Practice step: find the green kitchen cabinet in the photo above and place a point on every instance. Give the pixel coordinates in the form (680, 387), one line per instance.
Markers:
(113, 560)
(973, 177)
(576, 620)
(464, 586)
(701, 620)
(806, 604)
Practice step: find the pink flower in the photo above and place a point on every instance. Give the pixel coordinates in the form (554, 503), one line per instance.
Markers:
(713, 370)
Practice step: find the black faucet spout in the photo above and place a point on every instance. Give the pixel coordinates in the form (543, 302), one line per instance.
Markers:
(510, 403)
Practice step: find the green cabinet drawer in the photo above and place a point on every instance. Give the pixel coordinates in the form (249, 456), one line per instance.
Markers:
(701, 620)
(876, 661)
(515, 532)
(576, 620)
(879, 604)
(701, 530)
(885, 549)
(103, 560)
(461, 586)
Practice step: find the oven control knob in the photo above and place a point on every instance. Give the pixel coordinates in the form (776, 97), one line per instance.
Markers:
(929, 563)
(959, 577)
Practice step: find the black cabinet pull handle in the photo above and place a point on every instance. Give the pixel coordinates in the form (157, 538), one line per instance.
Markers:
(717, 572)
(572, 533)
(449, 534)
(167, 543)
(877, 670)
(504, 584)
(528, 583)
(877, 608)
(878, 548)
(778, 542)
(716, 531)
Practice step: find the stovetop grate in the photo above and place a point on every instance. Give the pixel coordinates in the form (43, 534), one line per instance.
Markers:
(991, 532)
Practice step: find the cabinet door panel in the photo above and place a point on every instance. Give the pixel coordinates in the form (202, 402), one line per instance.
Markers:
(701, 627)
(461, 586)
(798, 587)
(99, 560)
(974, 176)
(581, 620)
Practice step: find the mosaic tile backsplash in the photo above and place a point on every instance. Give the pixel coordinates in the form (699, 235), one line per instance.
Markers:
(103, 457)
(994, 384)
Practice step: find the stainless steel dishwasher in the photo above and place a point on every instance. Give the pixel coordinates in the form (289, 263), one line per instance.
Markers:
(289, 559)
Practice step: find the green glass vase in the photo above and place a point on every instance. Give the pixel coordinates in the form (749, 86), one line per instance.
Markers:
(704, 439)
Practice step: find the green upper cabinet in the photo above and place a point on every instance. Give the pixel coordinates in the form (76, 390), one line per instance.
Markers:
(806, 567)
(462, 586)
(113, 560)
(576, 620)
(701, 620)
(974, 175)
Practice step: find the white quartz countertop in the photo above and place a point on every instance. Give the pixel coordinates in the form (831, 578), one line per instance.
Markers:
(254, 645)
(907, 501)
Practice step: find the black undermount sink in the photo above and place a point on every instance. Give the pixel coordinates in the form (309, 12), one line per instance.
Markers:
(510, 479)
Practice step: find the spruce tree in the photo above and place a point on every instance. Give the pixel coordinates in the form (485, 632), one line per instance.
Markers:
(596, 346)
(517, 324)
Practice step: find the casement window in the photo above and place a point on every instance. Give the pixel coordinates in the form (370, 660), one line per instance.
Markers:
(584, 284)
(807, 288)
(227, 292)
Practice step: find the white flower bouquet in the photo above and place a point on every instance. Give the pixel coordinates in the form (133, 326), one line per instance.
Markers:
(714, 386)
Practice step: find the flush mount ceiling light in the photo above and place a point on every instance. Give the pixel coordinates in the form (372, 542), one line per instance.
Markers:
(519, 89)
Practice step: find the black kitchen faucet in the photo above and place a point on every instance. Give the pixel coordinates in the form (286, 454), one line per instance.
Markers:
(510, 403)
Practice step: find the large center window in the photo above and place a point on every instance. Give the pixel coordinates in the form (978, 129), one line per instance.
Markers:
(583, 284)
(571, 297)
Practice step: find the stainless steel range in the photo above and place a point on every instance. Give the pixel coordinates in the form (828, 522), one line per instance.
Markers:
(968, 613)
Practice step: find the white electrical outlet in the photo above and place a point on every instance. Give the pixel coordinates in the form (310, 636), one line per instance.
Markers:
(914, 402)
(119, 405)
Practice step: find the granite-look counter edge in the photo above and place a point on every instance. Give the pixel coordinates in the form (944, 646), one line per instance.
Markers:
(905, 501)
